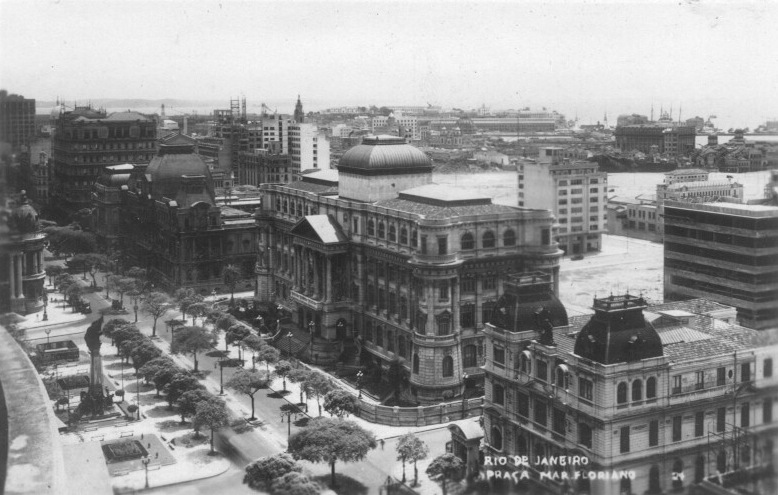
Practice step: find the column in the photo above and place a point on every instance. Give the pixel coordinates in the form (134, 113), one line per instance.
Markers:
(362, 279)
(19, 272)
(455, 303)
(12, 274)
(430, 289)
(328, 276)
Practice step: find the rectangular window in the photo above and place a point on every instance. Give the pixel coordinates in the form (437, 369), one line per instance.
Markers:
(699, 423)
(576, 182)
(499, 355)
(563, 192)
(653, 433)
(489, 283)
(768, 368)
(721, 376)
(576, 191)
(468, 285)
(467, 316)
(540, 413)
(424, 244)
(522, 405)
(767, 411)
(562, 201)
(677, 428)
(745, 372)
(593, 189)
(677, 384)
(624, 440)
(721, 419)
(585, 388)
(700, 380)
(593, 181)
(559, 421)
(442, 245)
(745, 416)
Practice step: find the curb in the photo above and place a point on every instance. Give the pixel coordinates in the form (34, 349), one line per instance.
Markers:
(138, 490)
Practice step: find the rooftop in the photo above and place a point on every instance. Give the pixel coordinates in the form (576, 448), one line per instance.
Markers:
(444, 195)
(740, 209)
(432, 211)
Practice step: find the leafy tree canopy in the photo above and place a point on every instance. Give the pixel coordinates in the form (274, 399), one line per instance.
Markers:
(340, 403)
(260, 473)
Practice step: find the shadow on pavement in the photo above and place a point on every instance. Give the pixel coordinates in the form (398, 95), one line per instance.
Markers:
(344, 485)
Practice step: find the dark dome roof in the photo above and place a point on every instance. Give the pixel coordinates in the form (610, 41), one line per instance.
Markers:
(23, 218)
(384, 152)
(522, 305)
(618, 332)
(170, 165)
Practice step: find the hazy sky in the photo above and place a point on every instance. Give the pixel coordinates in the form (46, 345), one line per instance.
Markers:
(584, 57)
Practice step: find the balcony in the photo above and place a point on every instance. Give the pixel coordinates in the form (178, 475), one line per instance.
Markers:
(434, 339)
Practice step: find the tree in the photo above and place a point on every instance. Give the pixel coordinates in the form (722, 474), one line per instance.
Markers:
(156, 305)
(446, 466)
(154, 366)
(211, 413)
(261, 473)
(187, 403)
(164, 376)
(52, 271)
(112, 325)
(181, 383)
(231, 275)
(340, 403)
(197, 310)
(193, 340)
(123, 334)
(73, 294)
(318, 385)
(330, 440)
(282, 369)
(128, 346)
(248, 382)
(299, 375)
(268, 355)
(235, 335)
(122, 285)
(253, 343)
(184, 298)
(93, 263)
(411, 448)
(140, 277)
(294, 483)
(144, 353)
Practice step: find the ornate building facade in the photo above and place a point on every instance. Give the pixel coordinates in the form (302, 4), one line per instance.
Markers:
(657, 398)
(169, 222)
(375, 256)
(21, 260)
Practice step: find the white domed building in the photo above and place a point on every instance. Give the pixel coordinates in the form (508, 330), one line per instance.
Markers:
(379, 267)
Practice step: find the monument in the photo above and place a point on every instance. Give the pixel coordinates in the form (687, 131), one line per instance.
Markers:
(96, 400)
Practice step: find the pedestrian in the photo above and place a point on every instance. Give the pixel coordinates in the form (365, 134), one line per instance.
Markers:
(382, 443)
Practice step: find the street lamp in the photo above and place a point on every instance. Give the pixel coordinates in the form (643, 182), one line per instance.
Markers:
(288, 413)
(146, 460)
(464, 396)
(45, 306)
(359, 382)
(137, 393)
(289, 344)
(310, 327)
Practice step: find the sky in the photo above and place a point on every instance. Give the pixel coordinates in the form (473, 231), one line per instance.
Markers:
(582, 58)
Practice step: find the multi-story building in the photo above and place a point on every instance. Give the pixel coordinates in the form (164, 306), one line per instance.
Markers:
(675, 141)
(634, 398)
(261, 166)
(643, 216)
(17, 120)
(308, 149)
(21, 259)
(726, 252)
(41, 178)
(575, 191)
(86, 141)
(375, 258)
(170, 223)
(407, 126)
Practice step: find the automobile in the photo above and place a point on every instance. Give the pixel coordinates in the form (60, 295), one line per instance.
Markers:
(577, 257)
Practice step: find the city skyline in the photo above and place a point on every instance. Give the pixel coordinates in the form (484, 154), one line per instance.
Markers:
(580, 59)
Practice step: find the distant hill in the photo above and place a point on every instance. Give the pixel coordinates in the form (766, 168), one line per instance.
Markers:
(142, 103)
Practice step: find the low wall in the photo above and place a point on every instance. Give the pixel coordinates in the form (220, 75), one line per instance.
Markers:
(421, 415)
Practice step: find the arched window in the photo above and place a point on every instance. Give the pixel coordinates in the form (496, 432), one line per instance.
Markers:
(403, 235)
(637, 390)
(448, 366)
(392, 233)
(699, 469)
(585, 435)
(401, 346)
(625, 486)
(651, 388)
(416, 364)
(487, 241)
(509, 238)
(561, 377)
(496, 438)
(467, 241)
(653, 480)
(381, 230)
(370, 227)
(677, 469)
(621, 393)
(286, 206)
(414, 238)
(469, 359)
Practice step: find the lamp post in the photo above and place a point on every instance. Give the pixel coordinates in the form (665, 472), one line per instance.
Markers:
(48, 331)
(464, 395)
(137, 394)
(146, 460)
(288, 415)
(310, 327)
(220, 362)
(289, 344)
(45, 306)
(359, 382)
(122, 361)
